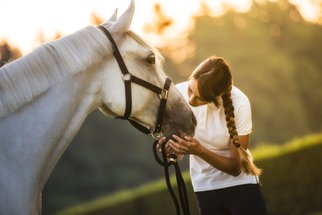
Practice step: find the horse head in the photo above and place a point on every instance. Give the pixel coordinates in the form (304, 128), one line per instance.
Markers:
(46, 95)
(145, 63)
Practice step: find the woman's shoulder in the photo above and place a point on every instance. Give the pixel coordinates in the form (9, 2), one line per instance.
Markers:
(182, 87)
(238, 95)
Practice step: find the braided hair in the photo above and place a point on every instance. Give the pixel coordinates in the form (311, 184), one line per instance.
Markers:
(215, 81)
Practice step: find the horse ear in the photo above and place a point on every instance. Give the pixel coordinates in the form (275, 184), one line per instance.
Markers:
(113, 17)
(123, 23)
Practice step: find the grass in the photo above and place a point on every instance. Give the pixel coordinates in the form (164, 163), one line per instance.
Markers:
(114, 199)
(267, 151)
(284, 184)
(121, 197)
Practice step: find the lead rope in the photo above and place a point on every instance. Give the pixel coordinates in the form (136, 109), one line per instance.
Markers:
(182, 191)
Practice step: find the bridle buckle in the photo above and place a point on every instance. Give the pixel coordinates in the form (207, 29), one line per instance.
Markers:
(155, 135)
(163, 94)
(126, 77)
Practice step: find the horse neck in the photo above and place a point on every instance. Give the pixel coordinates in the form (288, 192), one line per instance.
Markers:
(23, 80)
(43, 130)
(34, 137)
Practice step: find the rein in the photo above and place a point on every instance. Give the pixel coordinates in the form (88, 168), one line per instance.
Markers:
(163, 95)
(166, 162)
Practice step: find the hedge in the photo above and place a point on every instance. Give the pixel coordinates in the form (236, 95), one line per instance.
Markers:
(290, 185)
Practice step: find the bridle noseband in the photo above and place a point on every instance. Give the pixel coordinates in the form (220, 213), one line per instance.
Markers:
(128, 78)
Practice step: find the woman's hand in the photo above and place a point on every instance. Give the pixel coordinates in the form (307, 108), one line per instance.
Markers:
(188, 145)
(168, 149)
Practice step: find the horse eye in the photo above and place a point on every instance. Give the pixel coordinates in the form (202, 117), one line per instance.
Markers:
(150, 59)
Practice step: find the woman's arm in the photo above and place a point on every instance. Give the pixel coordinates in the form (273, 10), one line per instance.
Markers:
(230, 165)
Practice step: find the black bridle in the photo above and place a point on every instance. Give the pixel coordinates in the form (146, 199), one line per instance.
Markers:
(128, 78)
(163, 95)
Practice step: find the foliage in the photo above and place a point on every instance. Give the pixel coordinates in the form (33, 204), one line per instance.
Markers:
(291, 173)
(274, 56)
(290, 179)
(8, 53)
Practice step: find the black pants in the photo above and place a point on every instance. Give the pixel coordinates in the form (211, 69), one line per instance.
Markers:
(237, 200)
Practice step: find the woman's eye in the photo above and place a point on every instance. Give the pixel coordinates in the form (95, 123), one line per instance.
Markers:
(150, 59)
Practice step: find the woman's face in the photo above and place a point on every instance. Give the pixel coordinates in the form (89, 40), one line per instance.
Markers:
(194, 95)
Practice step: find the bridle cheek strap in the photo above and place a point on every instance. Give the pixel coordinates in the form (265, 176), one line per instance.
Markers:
(124, 70)
(162, 107)
(128, 79)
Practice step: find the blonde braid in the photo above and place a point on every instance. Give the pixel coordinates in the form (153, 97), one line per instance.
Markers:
(247, 164)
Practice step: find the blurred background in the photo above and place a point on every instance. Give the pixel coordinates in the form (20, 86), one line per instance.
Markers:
(273, 47)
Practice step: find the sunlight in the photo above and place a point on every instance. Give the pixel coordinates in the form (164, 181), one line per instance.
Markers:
(308, 9)
(22, 25)
(240, 6)
(49, 17)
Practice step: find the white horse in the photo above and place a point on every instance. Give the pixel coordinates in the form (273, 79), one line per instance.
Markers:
(46, 95)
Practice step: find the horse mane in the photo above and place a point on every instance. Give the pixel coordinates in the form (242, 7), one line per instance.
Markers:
(30, 76)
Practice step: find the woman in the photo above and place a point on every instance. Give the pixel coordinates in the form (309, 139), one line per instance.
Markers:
(223, 175)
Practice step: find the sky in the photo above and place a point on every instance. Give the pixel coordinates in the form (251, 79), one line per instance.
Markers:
(22, 20)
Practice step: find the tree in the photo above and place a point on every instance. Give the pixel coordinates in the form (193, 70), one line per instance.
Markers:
(8, 53)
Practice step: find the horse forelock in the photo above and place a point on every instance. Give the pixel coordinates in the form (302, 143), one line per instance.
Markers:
(28, 77)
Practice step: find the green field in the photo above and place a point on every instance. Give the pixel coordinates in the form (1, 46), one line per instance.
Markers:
(291, 185)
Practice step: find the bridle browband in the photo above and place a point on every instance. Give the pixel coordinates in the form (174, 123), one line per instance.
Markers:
(128, 78)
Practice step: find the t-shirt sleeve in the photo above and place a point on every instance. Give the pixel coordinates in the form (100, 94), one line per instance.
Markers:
(182, 88)
(243, 118)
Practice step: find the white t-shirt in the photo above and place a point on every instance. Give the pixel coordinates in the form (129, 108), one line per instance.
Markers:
(212, 133)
